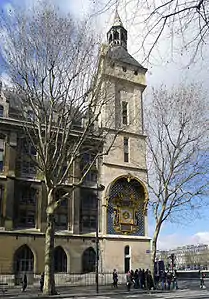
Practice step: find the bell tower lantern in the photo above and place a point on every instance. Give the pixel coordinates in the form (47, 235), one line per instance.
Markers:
(117, 35)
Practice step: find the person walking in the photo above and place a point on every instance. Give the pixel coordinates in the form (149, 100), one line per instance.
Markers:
(202, 281)
(143, 280)
(150, 282)
(163, 280)
(169, 279)
(24, 283)
(128, 280)
(115, 278)
(175, 279)
(136, 279)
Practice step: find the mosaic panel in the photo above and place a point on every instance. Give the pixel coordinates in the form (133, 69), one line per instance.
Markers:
(125, 208)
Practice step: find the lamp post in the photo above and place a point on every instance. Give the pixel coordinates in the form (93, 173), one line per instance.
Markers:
(99, 188)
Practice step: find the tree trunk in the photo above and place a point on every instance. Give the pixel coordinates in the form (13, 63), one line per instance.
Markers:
(49, 282)
(154, 248)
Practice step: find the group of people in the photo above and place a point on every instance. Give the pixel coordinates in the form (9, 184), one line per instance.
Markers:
(165, 279)
(139, 279)
(25, 282)
(142, 279)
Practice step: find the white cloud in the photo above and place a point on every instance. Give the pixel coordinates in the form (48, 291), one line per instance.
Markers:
(174, 240)
(6, 80)
(8, 8)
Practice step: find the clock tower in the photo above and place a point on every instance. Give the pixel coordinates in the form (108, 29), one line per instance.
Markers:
(124, 240)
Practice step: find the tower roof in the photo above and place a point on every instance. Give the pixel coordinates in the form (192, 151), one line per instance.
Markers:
(117, 35)
(118, 53)
(117, 20)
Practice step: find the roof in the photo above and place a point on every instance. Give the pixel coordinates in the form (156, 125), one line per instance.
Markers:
(117, 20)
(119, 53)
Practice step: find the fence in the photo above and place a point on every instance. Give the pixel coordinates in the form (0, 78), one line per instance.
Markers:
(63, 279)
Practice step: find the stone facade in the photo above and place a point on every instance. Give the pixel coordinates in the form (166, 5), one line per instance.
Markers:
(123, 232)
(187, 257)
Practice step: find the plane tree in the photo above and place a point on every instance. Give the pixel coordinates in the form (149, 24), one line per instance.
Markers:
(183, 24)
(176, 123)
(52, 62)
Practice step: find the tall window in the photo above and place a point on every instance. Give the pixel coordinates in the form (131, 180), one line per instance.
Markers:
(26, 207)
(2, 146)
(127, 259)
(26, 161)
(23, 259)
(61, 216)
(1, 111)
(125, 113)
(88, 260)
(86, 161)
(61, 220)
(88, 212)
(126, 149)
(60, 260)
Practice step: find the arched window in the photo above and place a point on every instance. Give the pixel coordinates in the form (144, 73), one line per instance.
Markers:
(127, 259)
(127, 250)
(89, 260)
(23, 259)
(2, 152)
(1, 111)
(116, 35)
(123, 37)
(110, 38)
(60, 260)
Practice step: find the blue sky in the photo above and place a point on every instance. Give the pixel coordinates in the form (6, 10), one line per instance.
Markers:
(159, 71)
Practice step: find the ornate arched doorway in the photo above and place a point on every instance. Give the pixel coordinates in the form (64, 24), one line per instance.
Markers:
(23, 262)
(127, 199)
(60, 260)
(88, 260)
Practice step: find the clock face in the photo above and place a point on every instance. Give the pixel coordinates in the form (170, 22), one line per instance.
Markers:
(126, 216)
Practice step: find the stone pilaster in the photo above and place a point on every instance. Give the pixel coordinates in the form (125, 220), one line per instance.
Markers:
(76, 211)
(42, 198)
(11, 151)
(9, 204)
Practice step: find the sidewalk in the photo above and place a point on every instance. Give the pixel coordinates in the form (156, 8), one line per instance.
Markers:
(66, 292)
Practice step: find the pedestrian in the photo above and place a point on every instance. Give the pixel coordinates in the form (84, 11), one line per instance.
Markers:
(202, 282)
(169, 279)
(42, 282)
(163, 280)
(175, 279)
(136, 279)
(150, 282)
(143, 283)
(128, 280)
(24, 283)
(140, 278)
(115, 278)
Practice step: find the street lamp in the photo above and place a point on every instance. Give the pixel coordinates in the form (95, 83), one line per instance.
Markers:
(99, 188)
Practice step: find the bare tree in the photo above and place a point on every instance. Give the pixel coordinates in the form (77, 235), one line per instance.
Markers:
(202, 258)
(52, 62)
(190, 259)
(176, 124)
(183, 23)
(196, 259)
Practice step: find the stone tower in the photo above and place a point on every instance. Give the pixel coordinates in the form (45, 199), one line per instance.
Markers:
(123, 221)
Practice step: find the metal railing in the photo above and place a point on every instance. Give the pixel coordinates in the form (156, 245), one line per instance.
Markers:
(63, 279)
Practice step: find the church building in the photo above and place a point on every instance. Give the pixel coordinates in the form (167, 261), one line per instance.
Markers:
(122, 219)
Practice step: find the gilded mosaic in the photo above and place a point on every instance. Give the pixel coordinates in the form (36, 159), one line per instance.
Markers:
(125, 208)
